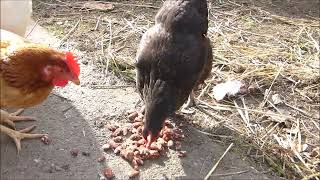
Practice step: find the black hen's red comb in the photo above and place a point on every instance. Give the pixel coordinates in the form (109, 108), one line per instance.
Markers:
(72, 63)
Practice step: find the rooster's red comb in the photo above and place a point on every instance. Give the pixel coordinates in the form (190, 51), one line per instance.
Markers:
(72, 63)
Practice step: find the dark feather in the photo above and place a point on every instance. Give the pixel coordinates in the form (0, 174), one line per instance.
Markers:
(173, 58)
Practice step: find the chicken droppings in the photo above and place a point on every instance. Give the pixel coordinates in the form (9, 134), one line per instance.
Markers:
(46, 140)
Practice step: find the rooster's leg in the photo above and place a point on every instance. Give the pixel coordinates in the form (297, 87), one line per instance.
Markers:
(9, 118)
(191, 102)
(15, 116)
(17, 136)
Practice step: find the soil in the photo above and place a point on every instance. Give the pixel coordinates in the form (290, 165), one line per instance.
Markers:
(74, 117)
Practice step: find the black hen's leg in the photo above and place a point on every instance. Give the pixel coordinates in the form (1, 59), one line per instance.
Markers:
(142, 109)
(186, 108)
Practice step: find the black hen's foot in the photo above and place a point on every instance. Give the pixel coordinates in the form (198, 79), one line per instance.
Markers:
(187, 107)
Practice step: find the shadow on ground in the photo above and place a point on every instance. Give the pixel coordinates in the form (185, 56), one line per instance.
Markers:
(68, 130)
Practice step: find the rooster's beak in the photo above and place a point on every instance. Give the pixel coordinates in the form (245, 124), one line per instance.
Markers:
(76, 81)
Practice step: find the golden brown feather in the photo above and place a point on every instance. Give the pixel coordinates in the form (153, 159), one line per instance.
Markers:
(28, 73)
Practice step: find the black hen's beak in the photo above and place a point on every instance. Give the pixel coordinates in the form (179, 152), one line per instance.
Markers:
(150, 138)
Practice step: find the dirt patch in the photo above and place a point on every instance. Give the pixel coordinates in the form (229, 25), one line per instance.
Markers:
(289, 8)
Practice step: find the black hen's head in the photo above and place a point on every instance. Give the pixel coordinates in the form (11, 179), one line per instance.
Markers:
(160, 103)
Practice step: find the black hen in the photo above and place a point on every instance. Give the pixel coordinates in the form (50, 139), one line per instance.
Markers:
(173, 58)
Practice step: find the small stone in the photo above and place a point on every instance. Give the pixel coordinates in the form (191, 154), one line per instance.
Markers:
(66, 167)
(133, 173)
(178, 145)
(117, 150)
(182, 154)
(74, 152)
(108, 173)
(57, 168)
(101, 159)
(85, 153)
(46, 140)
(100, 124)
(85, 62)
(170, 143)
(106, 147)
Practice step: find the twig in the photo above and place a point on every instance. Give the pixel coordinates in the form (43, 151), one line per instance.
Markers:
(311, 176)
(217, 163)
(58, 95)
(224, 107)
(111, 87)
(67, 109)
(230, 174)
(202, 165)
(245, 110)
(216, 108)
(209, 134)
(110, 40)
(204, 90)
(83, 132)
(295, 23)
(133, 28)
(35, 24)
(69, 33)
(243, 117)
(137, 103)
(109, 48)
(297, 109)
(296, 166)
(269, 89)
(97, 24)
(107, 66)
(303, 94)
(51, 4)
(308, 131)
(216, 116)
(128, 4)
(270, 131)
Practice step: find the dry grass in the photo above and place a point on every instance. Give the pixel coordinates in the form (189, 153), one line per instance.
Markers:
(278, 54)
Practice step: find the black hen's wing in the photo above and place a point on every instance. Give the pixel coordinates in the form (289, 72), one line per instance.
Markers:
(184, 16)
(174, 53)
(176, 60)
(172, 59)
